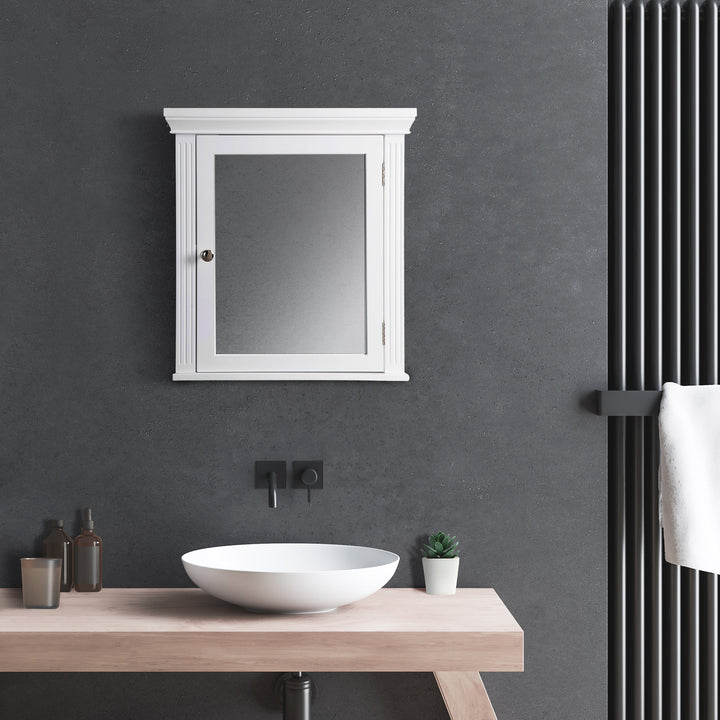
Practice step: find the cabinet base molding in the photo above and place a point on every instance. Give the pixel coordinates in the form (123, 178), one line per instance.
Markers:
(380, 377)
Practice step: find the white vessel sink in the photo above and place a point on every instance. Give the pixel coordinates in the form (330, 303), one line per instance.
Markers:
(290, 577)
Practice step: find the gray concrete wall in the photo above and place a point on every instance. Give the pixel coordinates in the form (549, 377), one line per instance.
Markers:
(506, 326)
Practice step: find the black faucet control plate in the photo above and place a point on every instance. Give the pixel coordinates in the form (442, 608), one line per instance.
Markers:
(263, 468)
(299, 467)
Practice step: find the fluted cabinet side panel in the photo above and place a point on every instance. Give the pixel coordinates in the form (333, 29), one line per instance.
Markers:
(394, 254)
(186, 250)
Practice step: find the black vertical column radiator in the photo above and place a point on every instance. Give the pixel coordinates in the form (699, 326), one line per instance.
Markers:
(663, 326)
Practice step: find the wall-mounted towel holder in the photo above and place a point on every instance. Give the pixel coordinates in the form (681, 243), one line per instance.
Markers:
(627, 403)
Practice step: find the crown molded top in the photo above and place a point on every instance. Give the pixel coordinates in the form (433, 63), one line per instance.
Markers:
(290, 121)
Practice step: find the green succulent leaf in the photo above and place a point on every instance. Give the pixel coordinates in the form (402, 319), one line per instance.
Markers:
(440, 545)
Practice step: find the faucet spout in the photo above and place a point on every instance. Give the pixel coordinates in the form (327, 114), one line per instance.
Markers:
(271, 475)
(272, 489)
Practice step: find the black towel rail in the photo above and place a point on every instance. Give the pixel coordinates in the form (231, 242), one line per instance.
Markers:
(628, 403)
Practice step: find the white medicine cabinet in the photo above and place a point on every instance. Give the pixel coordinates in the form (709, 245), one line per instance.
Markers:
(290, 243)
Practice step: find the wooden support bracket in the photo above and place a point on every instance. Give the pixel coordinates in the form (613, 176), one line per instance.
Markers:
(465, 696)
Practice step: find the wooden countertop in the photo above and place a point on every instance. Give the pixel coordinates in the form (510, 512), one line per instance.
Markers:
(185, 629)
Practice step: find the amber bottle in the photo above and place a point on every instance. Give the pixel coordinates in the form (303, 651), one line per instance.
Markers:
(88, 557)
(58, 544)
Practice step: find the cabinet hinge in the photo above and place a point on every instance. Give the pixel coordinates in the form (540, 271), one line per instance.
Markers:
(383, 332)
(383, 174)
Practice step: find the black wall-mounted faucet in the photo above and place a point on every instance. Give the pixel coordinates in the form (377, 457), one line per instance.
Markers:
(271, 474)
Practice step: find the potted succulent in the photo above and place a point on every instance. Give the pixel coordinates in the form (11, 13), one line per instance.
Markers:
(440, 564)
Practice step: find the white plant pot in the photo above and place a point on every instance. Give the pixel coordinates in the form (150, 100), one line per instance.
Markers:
(441, 575)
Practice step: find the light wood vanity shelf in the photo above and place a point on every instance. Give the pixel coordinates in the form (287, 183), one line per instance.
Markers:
(186, 630)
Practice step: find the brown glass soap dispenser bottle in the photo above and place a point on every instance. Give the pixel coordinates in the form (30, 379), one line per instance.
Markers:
(88, 557)
(58, 544)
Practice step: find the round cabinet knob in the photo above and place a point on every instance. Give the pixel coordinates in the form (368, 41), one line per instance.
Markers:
(207, 255)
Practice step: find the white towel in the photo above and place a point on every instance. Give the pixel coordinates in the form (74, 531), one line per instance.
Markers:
(690, 475)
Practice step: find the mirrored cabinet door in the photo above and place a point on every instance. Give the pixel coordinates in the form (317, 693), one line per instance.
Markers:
(290, 253)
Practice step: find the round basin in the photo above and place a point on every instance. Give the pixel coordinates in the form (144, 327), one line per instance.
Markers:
(290, 577)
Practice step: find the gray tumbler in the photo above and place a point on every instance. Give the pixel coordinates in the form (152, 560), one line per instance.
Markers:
(41, 582)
